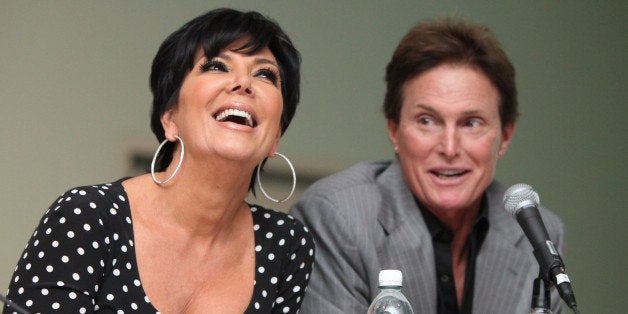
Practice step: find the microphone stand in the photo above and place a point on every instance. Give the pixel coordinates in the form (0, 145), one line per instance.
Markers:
(12, 305)
(541, 297)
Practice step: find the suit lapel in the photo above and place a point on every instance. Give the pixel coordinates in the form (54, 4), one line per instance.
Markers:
(408, 244)
(502, 269)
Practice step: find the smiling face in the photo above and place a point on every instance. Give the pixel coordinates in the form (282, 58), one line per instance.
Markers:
(449, 136)
(230, 106)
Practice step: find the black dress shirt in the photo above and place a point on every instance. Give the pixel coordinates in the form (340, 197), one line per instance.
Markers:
(441, 241)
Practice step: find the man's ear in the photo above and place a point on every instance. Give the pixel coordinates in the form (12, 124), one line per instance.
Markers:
(507, 132)
(393, 127)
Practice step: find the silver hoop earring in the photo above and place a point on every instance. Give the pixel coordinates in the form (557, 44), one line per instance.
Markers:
(294, 180)
(152, 164)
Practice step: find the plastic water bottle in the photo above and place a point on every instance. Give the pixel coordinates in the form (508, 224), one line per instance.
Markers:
(390, 300)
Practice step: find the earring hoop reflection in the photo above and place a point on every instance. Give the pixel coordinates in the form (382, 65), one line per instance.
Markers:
(152, 164)
(294, 180)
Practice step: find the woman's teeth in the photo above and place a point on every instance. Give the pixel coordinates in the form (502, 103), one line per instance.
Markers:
(237, 116)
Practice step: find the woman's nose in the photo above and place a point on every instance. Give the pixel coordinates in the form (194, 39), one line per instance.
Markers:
(241, 84)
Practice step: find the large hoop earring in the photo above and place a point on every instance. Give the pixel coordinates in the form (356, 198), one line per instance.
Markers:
(294, 180)
(152, 164)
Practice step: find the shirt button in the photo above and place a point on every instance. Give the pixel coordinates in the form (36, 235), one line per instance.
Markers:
(444, 278)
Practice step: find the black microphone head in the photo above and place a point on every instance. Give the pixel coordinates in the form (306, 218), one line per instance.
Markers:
(518, 196)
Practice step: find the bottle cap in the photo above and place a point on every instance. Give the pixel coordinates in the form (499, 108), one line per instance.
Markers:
(390, 277)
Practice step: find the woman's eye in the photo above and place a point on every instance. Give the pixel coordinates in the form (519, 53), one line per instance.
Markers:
(268, 74)
(213, 65)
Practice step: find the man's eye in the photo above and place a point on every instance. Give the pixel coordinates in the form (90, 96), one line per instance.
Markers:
(425, 120)
(268, 74)
(213, 65)
(473, 123)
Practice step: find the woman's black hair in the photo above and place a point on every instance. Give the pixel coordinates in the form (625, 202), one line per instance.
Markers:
(212, 32)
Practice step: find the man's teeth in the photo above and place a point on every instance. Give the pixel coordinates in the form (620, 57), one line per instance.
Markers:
(449, 173)
(235, 113)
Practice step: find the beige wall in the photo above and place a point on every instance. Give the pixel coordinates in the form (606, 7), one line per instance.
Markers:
(75, 100)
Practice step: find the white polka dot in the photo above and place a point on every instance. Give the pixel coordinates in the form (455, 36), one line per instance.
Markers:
(35, 279)
(269, 235)
(60, 283)
(279, 300)
(76, 276)
(55, 243)
(87, 227)
(49, 268)
(282, 242)
(134, 306)
(80, 251)
(65, 259)
(261, 269)
(296, 289)
(44, 291)
(271, 256)
(286, 309)
(77, 211)
(95, 244)
(56, 306)
(280, 222)
(70, 234)
(273, 280)
(92, 205)
(258, 248)
(113, 211)
(72, 295)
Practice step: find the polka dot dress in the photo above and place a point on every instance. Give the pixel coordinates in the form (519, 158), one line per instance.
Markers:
(81, 259)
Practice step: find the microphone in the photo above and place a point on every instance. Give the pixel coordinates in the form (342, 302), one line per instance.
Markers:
(522, 202)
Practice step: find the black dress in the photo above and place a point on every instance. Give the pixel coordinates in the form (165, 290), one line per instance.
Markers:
(81, 259)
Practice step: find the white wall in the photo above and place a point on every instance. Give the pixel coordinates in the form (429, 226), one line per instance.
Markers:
(74, 97)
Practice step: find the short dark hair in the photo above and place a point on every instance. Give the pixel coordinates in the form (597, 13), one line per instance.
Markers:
(212, 32)
(430, 44)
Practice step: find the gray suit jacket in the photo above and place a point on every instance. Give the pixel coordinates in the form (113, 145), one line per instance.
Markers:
(365, 219)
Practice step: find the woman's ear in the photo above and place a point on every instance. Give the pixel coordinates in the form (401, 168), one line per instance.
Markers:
(273, 149)
(170, 127)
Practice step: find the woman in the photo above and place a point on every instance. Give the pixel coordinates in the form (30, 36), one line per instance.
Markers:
(182, 239)
(435, 212)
